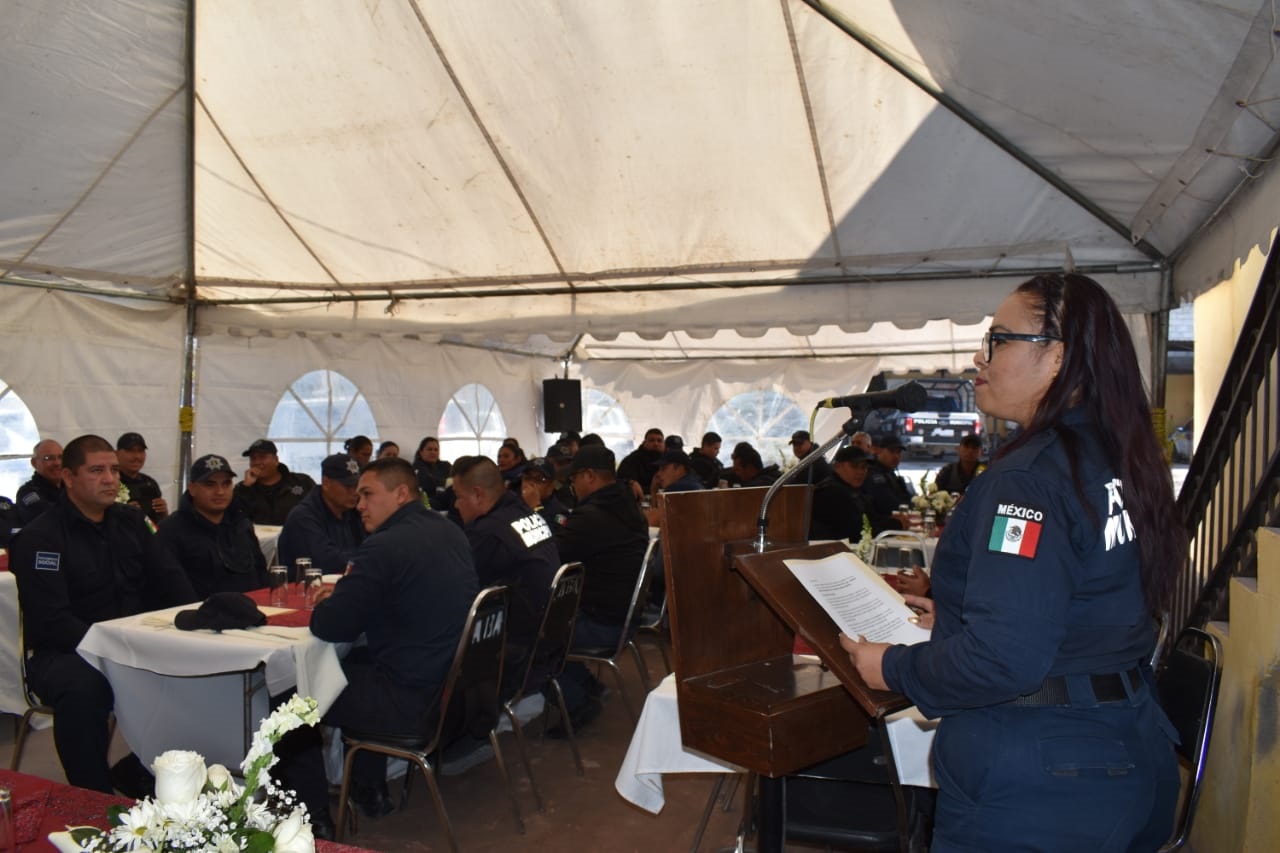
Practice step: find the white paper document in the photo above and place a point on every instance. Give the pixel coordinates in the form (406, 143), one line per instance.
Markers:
(858, 599)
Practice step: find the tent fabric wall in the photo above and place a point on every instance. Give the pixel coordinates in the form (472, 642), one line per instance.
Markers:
(86, 364)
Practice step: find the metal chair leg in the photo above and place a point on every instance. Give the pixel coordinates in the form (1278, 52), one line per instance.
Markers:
(506, 778)
(706, 812)
(622, 689)
(640, 665)
(524, 755)
(568, 726)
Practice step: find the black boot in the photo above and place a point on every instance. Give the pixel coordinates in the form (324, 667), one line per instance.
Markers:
(372, 800)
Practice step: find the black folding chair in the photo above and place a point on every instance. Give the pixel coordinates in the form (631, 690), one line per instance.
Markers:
(468, 703)
(1188, 683)
(653, 620)
(547, 659)
(609, 655)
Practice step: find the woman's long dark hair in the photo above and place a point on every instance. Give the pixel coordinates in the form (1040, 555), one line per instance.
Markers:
(1100, 374)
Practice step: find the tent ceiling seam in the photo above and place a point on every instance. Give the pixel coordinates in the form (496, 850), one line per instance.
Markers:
(302, 241)
(1217, 121)
(990, 133)
(93, 185)
(803, 84)
(488, 138)
(812, 281)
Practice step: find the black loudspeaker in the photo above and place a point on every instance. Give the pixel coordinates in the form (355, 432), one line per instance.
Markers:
(562, 405)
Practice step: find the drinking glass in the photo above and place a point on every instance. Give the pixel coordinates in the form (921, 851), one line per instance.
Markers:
(278, 582)
(313, 581)
(301, 565)
(8, 837)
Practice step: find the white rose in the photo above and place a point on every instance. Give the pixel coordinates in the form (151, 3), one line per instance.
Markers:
(180, 776)
(293, 835)
(219, 777)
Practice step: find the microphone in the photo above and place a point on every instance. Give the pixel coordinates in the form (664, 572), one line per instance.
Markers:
(910, 397)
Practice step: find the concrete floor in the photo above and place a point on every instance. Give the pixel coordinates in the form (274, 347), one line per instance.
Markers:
(583, 813)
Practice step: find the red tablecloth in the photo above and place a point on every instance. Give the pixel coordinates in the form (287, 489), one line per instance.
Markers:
(293, 618)
(41, 807)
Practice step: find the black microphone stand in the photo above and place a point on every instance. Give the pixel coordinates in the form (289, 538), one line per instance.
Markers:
(850, 427)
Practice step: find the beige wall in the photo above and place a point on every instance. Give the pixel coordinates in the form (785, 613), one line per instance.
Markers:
(1219, 315)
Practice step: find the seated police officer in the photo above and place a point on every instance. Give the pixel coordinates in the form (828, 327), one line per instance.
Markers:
(213, 541)
(840, 502)
(42, 490)
(144, 491)
(86, 560)
(269, 489)
(325, 526)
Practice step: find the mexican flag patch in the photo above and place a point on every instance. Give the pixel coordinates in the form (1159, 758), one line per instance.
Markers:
(1016, 530)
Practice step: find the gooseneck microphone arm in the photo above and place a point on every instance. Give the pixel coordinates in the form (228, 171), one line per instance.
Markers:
(909, 398)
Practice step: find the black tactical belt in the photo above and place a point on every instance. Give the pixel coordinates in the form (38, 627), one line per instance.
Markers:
(1108, 687)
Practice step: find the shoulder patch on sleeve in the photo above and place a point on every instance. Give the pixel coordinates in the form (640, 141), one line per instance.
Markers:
(48, 561)
(30, 498)
(1016, 530)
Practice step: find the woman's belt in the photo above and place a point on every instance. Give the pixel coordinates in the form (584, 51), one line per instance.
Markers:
(1082, 690)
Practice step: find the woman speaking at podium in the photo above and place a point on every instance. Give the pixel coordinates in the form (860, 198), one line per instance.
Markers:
(1045, 583)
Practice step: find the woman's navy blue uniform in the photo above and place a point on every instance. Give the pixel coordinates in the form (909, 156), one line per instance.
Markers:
(1051, 737)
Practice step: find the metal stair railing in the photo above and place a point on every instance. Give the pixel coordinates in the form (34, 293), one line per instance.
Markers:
(1233, 482)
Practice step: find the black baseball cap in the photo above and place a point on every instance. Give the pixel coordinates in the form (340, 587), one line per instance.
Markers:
(593, 457)
(540, 465)
(675, 457)
(208, 465)
(799, 436)
(222, 611)
(131, 441)
(342, 468)
(262, 445)
(850, 454)
(890, 442)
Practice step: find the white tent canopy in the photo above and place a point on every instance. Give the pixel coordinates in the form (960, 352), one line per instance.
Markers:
(599, 179)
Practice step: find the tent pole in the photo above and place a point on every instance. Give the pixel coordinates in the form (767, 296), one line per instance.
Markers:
(186, 410)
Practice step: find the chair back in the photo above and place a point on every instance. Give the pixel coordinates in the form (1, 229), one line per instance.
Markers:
(640, 594)
(555, 635)
(1188, 685)
(887, 549)
(469, 701)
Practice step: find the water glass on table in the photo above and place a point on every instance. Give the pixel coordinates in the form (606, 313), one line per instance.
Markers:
(313, 583)
(300, 567)
(278, 583)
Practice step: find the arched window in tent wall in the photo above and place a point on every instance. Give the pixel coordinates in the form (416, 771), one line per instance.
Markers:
(766, 419)
(318, 412)
(18, 435)
(472, 424)
(604, 416)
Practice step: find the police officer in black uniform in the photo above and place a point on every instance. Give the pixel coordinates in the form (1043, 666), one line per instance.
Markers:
(325, 526)
(802, 445)
(512, 546)
(144, 492)
(887, 488)
(86, 560)
(211, 539)
(45, 486)
(269, 489)
(538, 490)
(1045, 582)
(840, 503)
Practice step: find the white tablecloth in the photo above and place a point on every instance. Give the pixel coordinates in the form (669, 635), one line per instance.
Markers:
(268, 540)
(656, 748)
(186, 689)
(11, 699)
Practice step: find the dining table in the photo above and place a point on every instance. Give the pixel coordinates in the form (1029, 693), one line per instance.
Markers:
(207, 690)
(42, 806)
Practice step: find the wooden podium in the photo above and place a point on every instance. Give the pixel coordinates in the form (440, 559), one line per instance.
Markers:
(734, 618)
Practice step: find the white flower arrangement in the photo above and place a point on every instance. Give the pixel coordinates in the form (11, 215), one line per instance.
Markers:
(866, 546)
(203, 809)
(933, 499)
(122, 495)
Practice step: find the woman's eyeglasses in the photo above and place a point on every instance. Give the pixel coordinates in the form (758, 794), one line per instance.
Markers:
(990, 339)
